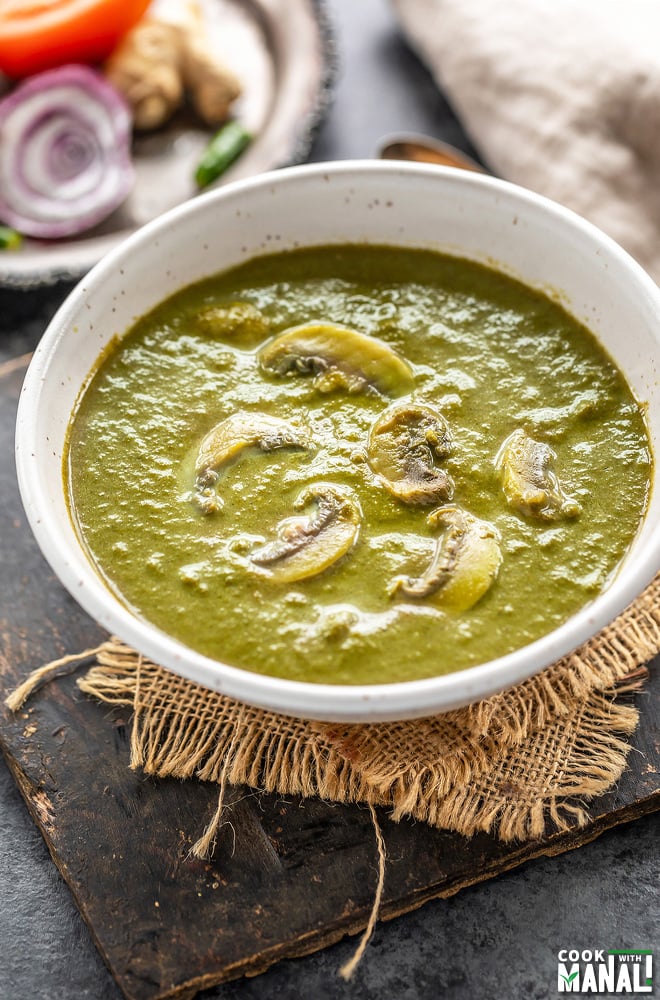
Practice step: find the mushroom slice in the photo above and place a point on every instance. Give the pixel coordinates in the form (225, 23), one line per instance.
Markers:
(243, 429)
(306, 546)
(340, 358)
(529, 481)
(403, 444)
(465, 563)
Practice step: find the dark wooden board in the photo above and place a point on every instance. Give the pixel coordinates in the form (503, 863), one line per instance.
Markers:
(287, 878)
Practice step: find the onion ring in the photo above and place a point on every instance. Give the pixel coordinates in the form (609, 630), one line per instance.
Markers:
(65, 161)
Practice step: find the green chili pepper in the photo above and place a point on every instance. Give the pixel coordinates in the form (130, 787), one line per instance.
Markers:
(225, 147)
(9, 238)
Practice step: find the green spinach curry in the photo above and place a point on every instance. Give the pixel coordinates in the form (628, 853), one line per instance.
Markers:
(357, 465)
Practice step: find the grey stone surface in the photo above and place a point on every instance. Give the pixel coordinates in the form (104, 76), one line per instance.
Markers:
(495, 941)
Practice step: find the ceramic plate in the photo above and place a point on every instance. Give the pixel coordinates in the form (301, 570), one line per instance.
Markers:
(283, 53)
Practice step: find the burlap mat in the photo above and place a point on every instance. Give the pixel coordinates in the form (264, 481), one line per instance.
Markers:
(509, 765)
(533, 754)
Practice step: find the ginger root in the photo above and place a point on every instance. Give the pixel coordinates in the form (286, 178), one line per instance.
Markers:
(145, 68)
(166, 55)
(212, 87)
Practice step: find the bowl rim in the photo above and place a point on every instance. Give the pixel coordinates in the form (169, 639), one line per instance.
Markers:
(306, 699)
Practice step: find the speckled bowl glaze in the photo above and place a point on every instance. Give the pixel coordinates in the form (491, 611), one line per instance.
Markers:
(412, 205)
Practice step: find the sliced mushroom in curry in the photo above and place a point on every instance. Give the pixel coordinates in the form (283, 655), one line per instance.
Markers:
(404, 444)
(339, 358)
(306, 546)
(465, 562)
(529, 480)
(225, 441)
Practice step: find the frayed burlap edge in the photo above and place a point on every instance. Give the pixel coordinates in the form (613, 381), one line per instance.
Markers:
(510, 793)
(506, 765)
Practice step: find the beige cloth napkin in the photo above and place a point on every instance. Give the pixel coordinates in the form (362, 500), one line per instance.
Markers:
(561, 96)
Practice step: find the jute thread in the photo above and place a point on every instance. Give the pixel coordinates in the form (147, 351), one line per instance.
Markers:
(347, 970)
(65, 664)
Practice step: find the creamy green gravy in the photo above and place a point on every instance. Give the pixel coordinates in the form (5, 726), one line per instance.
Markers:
(489, 353)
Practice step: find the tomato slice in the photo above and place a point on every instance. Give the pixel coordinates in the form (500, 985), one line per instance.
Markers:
(39, 34)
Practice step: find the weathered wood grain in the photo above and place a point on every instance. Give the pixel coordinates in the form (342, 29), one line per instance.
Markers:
(287, 878)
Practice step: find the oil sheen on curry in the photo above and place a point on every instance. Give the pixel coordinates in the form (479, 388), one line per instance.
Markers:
(357, 465)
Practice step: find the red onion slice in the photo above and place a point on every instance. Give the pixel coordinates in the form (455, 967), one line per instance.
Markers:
(65, 160)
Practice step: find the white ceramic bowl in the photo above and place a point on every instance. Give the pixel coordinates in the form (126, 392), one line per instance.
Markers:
(415, 205)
